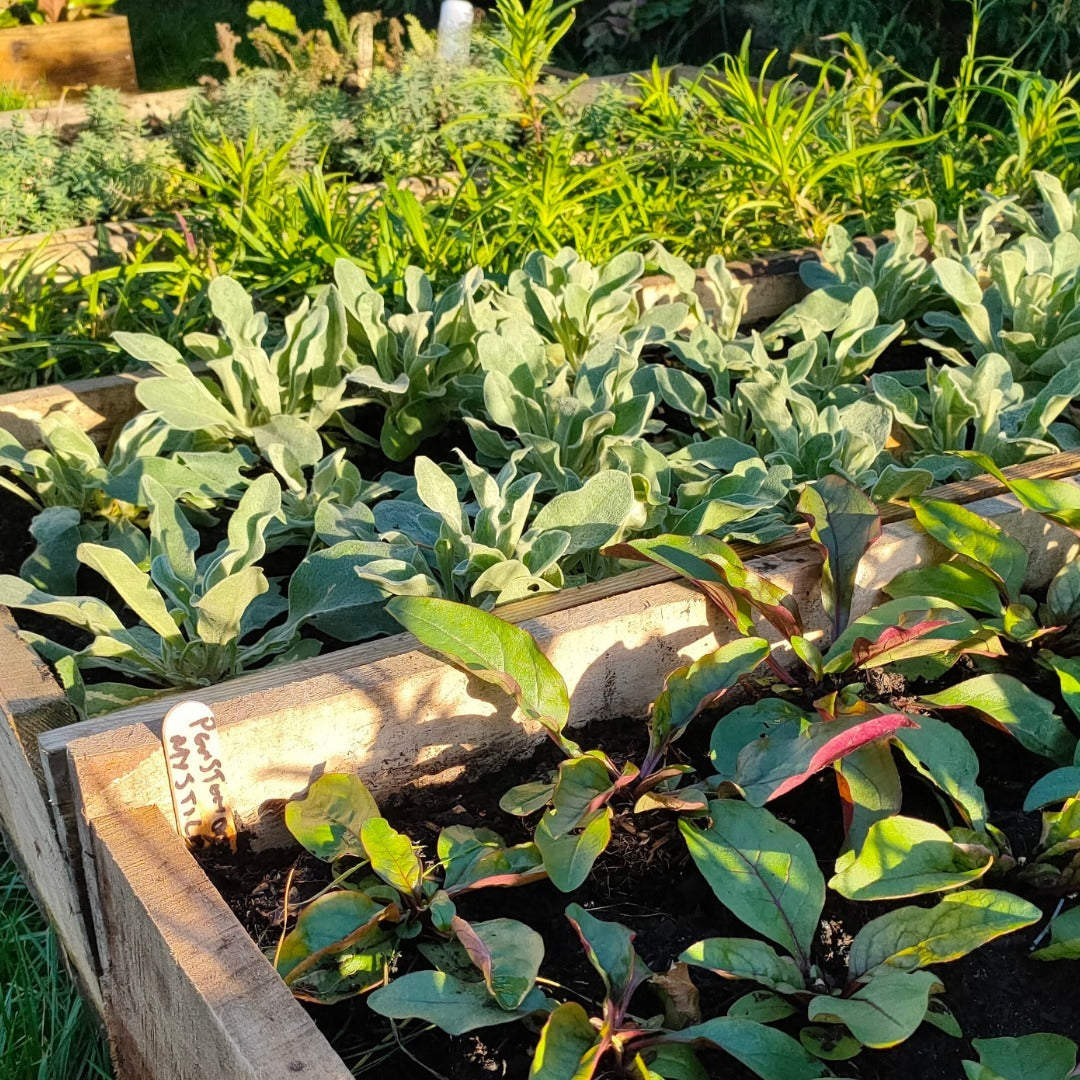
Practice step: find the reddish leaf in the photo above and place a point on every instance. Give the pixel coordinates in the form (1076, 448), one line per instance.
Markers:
(898, 643)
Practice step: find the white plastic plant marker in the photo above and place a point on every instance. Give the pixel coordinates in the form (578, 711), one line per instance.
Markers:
(197, 781)
(455, 31)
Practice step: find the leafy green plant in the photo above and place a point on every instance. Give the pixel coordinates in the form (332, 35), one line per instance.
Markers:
(384, 896)
(1029, 1057)
(572, 1044)
(576, 825)
(83, 497)
(887, 991)
(201, 618)
(32, 12)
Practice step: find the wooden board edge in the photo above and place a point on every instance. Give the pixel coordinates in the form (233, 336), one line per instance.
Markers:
(189, 995)
(31, 702)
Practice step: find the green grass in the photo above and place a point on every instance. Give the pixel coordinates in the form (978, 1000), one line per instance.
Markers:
(46, 1033)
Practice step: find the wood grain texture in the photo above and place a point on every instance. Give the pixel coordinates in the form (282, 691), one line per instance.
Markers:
(31, 703)
(70, 55)
(188, 997)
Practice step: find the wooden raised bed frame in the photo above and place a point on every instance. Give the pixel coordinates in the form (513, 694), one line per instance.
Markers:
(70, 55)
(37, 806)
(178, 961)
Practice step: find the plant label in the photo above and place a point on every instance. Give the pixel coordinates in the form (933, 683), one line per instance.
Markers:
(200, 792)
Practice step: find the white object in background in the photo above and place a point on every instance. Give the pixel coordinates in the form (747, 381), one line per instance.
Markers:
(455, 30)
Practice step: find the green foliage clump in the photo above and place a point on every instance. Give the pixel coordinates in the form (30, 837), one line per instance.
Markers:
(108, 170)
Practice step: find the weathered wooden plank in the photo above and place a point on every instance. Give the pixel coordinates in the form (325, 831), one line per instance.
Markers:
(31, 702)
(188, 997)
(70, 114)
(70, 55)
(98, 406)
(72, 253)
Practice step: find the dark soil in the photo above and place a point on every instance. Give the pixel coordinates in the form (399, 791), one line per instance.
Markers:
(647, 881)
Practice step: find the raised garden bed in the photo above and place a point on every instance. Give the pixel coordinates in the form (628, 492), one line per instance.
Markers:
(404, 722)
(70, 55)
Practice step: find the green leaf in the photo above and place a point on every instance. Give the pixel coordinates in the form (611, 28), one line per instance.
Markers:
(84, 611)
(135, 588)
(328, 927)
(843, 523)
(493, 650)
(675, 1063)
(883, 1012)
(475, 858)
(222, 607)
(1006, 703)
(569, 1046)
(763, 871)
(869, 786)
(942, 754)
(1029, 1057)
(904, 856)
(689, 690)
(569, 857)
(746, 958)
(830, 1043)
(506, 952)
(977, 540)
(1068, 673)
(610, 948)
(909, 938)
(328, 819)
(763, 1006)
(770, 1054)
(1056, 786)
(1058, 500)
(392, 856)
(958, 582)
(1064, 938)
(454, 1006)
(593, 514)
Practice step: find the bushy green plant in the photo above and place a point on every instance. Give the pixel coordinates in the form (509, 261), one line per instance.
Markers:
(109, 170)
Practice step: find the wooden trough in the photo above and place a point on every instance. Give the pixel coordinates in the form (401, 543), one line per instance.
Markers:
(177, 959)
(37, 804)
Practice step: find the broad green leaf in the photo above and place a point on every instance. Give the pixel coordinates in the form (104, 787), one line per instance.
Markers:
(762, 870)
(568, 857)
(185, 402)
(975, 539)
(527, 798)
(222, 607)
(506, 952)
(610, 948)
(770, 1054)
(392, 856)
(1068, 673)
(1056, 786)
(958, 582)
(328, 928)
(843, 523)
(1010, 706)
(454, 1006)
(582, 786)
(869, 786)
(135, 588)
(1064, 938)
(746, 958)
(592, 514)
(884, 1011)
(478, 858)
(904, 856)
(945, 757)
(1058, 500)
(763, 1006)
(911, 937)
(1029, 1057)
(84, 611)
(740, 727)
(568, 1048)
(675, 1063)
(689, 690)
(491, 649)
(328, 819)
(829, 1043)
